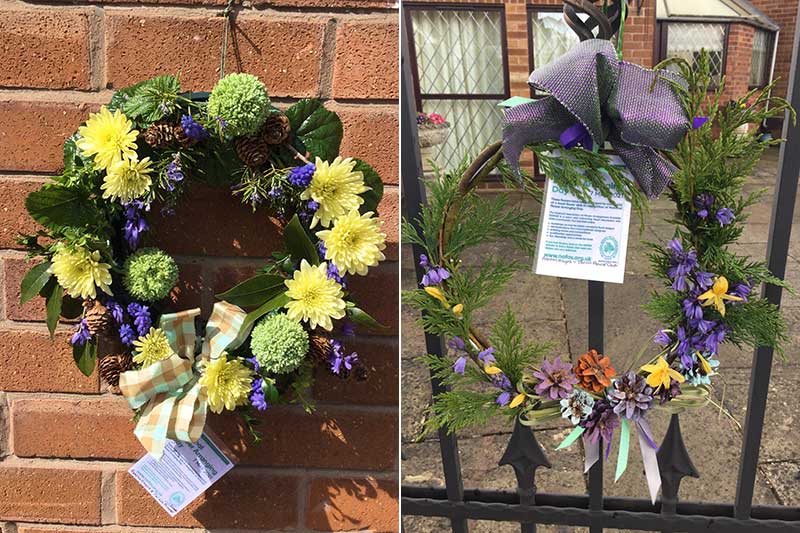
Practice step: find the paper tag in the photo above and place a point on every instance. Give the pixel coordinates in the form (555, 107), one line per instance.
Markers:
(183, 473)
(583, 241)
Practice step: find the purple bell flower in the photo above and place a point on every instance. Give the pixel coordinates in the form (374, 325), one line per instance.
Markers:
(460, 365)
(193, 129)
(725, 216)
(82, 334)
(301, 176)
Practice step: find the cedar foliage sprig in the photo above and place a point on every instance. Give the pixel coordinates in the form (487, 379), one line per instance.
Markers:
(716, 159)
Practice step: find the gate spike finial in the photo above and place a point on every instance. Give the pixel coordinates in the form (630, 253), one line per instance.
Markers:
(524, 454)
(674, 463)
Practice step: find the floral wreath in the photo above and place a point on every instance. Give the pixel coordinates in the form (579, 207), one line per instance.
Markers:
(133, 159)
(708, 297)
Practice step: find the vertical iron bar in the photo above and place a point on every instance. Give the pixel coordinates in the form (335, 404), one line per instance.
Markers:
(413, 193)
(777, 251)
(596, 326)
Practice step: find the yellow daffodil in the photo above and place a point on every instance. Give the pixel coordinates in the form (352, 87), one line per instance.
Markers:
(517, 401)
(436, 293)
(152, 348)
(716, 295)
(227, 383)
(458, 310)
(314, 297)
(705, 367)
(80, 272)
(661, 373)
(108, 137)
(354, 242)
(336, 188)
(492, 370)
(127, 179)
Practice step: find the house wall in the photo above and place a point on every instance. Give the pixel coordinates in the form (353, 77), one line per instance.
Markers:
(66, 443)
(784, 14)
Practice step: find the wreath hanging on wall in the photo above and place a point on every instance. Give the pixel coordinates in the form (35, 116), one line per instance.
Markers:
(708, 297)
(130, 163)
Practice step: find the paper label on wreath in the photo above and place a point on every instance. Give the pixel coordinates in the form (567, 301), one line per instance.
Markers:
(582, 241)
(183, 473)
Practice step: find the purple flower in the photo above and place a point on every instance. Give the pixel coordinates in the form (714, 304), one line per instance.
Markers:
(321, 250)
(82, 334)
(135, 224)
(338, 360)
(666, 394)
(662, 338)
(275, 192)
(684, 342)
(556, 379)
(460, 365)
(692, 309)
(504, 398)
(258, 400)
(434, 276)
(312, 205)
(487, 356)
(630, 396)
(193, 129)
(126, 334)
(423, 260)
(715, 338)
(333, 273)
(682, 264)
(457, 343)
(117, 312)
(301, 176)
(703, 203)
(223, 124)
(141, 317)
(704, 279)
(600, 423)
(697, 122)
(725, 216)
(742, 290)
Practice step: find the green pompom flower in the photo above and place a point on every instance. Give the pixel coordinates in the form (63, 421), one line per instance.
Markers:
(150, 274)
(241, 101)
(279, 343)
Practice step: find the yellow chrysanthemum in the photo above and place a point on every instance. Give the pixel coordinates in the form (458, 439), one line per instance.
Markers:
(80, 272)
(315, 298)
(227, 383)
(354, 243)
(152, 348)
(335, 187)
(127, 179)
(108, 137)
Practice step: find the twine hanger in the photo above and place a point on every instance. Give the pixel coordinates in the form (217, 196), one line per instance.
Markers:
(228, 13)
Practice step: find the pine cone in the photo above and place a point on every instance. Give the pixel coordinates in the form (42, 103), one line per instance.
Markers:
(594, 371)
(97, 317)
(111, 366)
(319, 347)
(253, 151)
(159, 135)
(180, 135)
(276, 129)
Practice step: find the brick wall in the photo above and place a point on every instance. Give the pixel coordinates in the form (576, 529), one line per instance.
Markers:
(738, 59)
(65, 444)
(784, 14)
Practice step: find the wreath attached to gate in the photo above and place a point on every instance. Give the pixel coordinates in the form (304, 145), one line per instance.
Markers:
(129, 163)
(708, 297)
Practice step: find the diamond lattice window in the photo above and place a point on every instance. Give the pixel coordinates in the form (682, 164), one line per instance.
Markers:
(687, 39)
(461, 75)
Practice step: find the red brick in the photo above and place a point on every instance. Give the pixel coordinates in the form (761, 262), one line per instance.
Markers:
(377, 294)
(14, 218)
(371, 134)
(69, 428)
(344, 504)
(242, 499)
(32, 362)
(55, 529)
(389, 211)
(284, 52)
(47, 494)
(14, 269)
(32, 133)
(328, 438)
(44, 49)
(366, 60)
(210, 221)
(381, 388)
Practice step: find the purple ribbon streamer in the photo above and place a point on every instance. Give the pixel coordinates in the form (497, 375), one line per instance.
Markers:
(649, 459)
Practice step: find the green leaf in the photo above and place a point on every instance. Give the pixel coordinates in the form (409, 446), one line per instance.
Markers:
(298, 243)
(58, 206)
(85, 357)
(318, 128)
(271, 393)
(34, 281)
(362, 318)
(372, 180)
(71, 155)
(277, 302)
(55, 298)
(146, 102)
(217, 167)
(119, 98)
(254, 291)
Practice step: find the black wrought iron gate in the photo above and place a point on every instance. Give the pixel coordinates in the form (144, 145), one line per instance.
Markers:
(524, 455)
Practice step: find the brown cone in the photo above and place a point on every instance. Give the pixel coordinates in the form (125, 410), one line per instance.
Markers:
(97, 317)
(159, 135)
(276, 129)
(319, 347)
(594, 371)
(111, 366)
(180, 136)
(253, 151)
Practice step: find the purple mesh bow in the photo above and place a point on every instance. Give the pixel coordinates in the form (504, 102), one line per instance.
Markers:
(612, 100)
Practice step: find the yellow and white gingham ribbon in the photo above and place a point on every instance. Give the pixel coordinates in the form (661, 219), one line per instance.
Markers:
(174, 402)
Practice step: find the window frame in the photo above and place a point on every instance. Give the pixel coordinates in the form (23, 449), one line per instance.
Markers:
(530, 11)
(662, 40)
(767, 73)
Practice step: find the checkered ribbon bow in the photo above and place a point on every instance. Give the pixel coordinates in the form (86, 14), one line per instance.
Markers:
(174, 402)
(596, 96)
